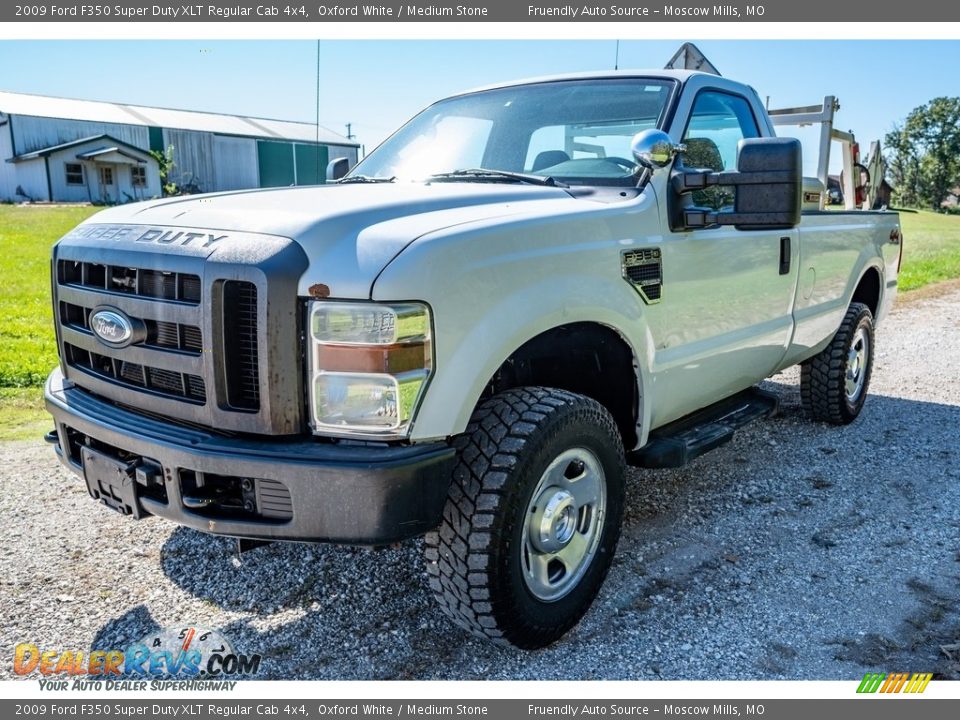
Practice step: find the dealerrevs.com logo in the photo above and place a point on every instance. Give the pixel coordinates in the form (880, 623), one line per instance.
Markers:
(173, 654)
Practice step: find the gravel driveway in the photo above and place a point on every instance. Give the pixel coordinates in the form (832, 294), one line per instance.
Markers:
(797, 551)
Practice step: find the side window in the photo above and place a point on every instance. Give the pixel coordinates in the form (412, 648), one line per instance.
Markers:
(74, 173)
(718, 122)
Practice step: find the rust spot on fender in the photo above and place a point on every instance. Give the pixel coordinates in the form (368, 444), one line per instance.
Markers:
(319, 290)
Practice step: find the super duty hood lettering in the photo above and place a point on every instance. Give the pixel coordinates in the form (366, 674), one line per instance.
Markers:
(135, 233)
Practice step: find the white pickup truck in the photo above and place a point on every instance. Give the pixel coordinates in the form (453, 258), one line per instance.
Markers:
(470, 335)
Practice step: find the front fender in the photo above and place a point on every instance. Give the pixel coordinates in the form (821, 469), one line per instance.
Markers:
(484, 311)
(495, 284)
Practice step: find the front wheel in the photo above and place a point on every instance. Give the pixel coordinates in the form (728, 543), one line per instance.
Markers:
(532, 519)
(834, 383)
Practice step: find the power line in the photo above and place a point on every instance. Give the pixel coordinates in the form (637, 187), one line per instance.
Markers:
(317, 145)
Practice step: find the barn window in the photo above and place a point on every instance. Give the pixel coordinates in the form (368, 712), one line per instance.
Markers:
(138, 175)
(106, 176)
(74, 174)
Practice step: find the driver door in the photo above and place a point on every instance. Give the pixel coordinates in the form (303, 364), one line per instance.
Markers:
(725, 318)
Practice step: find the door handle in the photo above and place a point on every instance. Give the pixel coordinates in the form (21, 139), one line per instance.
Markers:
(785, 255)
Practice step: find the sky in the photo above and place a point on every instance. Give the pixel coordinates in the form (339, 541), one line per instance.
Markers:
(376, 85)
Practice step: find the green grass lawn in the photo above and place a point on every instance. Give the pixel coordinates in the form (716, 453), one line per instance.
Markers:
(28, 350)
(27, 347)
(22, 416)
(931, 249)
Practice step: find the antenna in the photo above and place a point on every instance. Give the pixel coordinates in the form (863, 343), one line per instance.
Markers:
(317, 146)
(616, 59)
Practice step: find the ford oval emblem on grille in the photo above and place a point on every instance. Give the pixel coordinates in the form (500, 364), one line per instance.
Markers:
(112, 327)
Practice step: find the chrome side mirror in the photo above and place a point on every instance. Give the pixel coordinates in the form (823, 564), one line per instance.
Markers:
(653, 149)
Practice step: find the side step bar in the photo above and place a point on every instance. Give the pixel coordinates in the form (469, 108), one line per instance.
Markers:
(676, 444)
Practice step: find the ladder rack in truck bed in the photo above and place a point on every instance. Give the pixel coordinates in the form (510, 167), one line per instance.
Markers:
(823, 115)
(852, 168)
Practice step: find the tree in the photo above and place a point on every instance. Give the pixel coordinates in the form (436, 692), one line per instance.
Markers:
(165, 164)
(903, 167)
(925, 152)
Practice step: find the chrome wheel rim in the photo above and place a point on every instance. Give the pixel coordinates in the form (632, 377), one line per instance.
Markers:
(858, 358)
(563, 524)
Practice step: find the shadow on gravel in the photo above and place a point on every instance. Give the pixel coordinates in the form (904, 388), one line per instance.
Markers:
(911, 470)
(929, 639)
(301, 596)
(284, 576)
(123, 630)
(306, 607)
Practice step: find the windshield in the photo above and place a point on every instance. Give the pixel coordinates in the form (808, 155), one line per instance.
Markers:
(575, 131)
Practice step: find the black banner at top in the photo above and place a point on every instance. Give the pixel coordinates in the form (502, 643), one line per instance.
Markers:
(634, 11)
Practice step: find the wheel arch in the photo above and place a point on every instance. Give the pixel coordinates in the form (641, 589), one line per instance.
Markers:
(588, 358)
(468, 365)
(869, 289)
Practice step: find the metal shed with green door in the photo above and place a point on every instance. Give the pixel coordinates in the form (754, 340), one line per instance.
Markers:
(211, 151)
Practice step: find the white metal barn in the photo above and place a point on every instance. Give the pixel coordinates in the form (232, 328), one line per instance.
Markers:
(62, 150)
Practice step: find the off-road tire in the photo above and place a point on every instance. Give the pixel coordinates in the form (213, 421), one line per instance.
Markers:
(473, 558)
(823, 377)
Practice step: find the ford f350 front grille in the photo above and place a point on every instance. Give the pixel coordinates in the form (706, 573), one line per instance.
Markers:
(171, 361)
(215, 333)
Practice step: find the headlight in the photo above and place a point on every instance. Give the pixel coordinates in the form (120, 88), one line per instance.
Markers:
(368, 365)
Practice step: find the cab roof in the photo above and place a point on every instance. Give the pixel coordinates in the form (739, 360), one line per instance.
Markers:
(678, 75)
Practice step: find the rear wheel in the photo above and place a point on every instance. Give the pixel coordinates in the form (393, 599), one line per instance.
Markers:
(834, 383)
(533, 516)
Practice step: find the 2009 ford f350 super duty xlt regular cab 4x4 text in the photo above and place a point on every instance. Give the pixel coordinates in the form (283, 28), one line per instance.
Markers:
(470, 335)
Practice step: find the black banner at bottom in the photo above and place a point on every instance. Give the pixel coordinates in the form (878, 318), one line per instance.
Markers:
(873, 707)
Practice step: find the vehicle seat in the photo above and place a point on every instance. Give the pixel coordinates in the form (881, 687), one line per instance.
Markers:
(549, 158)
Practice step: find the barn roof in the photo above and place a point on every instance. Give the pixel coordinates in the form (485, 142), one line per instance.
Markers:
(107, 112)
(112, 145)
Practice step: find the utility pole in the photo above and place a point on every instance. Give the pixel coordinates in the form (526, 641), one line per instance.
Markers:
(350, 135)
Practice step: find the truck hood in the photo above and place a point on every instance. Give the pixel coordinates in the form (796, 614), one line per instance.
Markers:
(348, 232)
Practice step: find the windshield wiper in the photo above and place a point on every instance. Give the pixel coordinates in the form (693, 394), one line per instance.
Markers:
(364, 179)
(485, 175)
